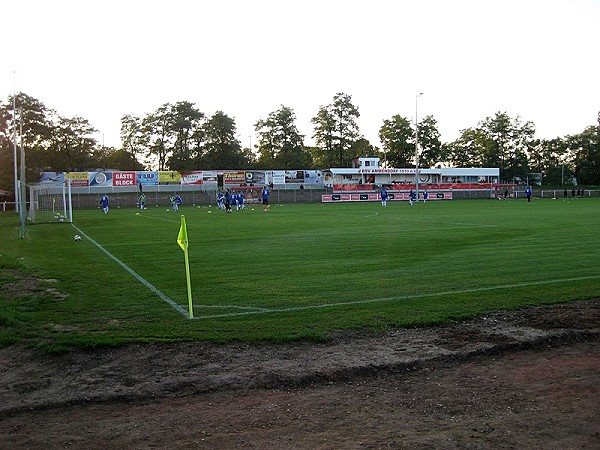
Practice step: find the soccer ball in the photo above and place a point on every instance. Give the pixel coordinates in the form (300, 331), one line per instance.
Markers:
(77, 238)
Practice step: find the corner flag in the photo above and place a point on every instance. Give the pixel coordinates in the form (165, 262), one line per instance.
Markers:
(182, 240)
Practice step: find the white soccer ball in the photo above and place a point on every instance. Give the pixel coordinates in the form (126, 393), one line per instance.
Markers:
(77, 237)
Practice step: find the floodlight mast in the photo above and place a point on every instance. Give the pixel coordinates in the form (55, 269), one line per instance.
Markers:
(15, 141)
(23, 208)
(417, 146)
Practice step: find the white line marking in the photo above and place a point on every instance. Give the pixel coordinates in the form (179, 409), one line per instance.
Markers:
(401, 297)
(159, 218)
(176, 306)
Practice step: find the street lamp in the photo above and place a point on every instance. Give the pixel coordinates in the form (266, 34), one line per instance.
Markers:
(417, 145)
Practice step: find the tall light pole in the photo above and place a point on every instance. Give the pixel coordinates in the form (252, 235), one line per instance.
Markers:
(23, 208)
(15, 141)
(417, 144)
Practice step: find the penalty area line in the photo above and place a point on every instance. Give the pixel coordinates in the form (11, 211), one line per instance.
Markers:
(162, 296)
(400, 297)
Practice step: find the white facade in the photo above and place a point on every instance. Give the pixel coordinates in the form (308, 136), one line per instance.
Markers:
(369, 171)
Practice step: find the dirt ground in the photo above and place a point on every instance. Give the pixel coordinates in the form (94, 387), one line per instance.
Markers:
(524, 379)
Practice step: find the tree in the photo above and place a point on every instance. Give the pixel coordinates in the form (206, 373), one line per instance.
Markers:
(187, 129)
(362, 147)
(71, 149)
(133, 139)
(396, 136)
(34, 124)
(467, 150)
(110, 157)
(336, 129)
(222, 149)
(507, 144)
(497, 141)
(430, 145)
(280, 144)
(551, 157)
(6, 152)
(158, 128)
(586, 149)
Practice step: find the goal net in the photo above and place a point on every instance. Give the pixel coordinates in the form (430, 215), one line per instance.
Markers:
(50, 202)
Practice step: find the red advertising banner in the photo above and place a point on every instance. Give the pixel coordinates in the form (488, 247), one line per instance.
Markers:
(194, 177)
(124, 179)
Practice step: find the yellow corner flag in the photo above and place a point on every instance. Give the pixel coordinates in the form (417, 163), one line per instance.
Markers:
(182, 240)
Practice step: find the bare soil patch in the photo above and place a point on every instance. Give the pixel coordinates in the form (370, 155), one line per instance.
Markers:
(521, 379)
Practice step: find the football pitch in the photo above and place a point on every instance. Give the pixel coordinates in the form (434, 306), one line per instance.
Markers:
(300, 271)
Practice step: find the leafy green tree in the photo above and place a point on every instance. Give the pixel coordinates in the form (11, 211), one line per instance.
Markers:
(70, 148)
(133, 139)
(222, 150)
(6, 152)
(468, 149)
(551, 158)
(507, 144)
(586, 149)
(497, 141)
(430, 145)
(396, 136)
(362, 147)
(280, 145)
(110, 157)
(336, 129)
(158, 128)
(189, 135)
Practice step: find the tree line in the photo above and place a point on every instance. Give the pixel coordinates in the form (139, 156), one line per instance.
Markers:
(178, 136)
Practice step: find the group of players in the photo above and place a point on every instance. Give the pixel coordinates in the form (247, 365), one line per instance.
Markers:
(175, 201)
(228, 200)
(412, 196)
(225, 200)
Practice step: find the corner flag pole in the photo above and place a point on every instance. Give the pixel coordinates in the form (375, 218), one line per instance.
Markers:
(182, 240)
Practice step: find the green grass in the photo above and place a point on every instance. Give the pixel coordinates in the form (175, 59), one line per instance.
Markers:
(302, 271)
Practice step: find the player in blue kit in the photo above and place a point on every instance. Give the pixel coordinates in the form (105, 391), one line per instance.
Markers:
(411, 197)
(265, 199)
(177, 202)
(221, 200)
(104, 203)
(240, 200)
(234, 200)
(384, 196)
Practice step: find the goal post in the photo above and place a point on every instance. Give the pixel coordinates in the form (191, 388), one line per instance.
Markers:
(50, 202)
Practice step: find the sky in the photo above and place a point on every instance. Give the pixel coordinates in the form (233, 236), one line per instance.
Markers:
(535, 59)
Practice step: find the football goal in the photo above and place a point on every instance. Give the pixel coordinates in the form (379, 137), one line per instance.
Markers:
(50, 202)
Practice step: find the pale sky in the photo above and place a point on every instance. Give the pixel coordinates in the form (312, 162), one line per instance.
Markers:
(538, 59)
